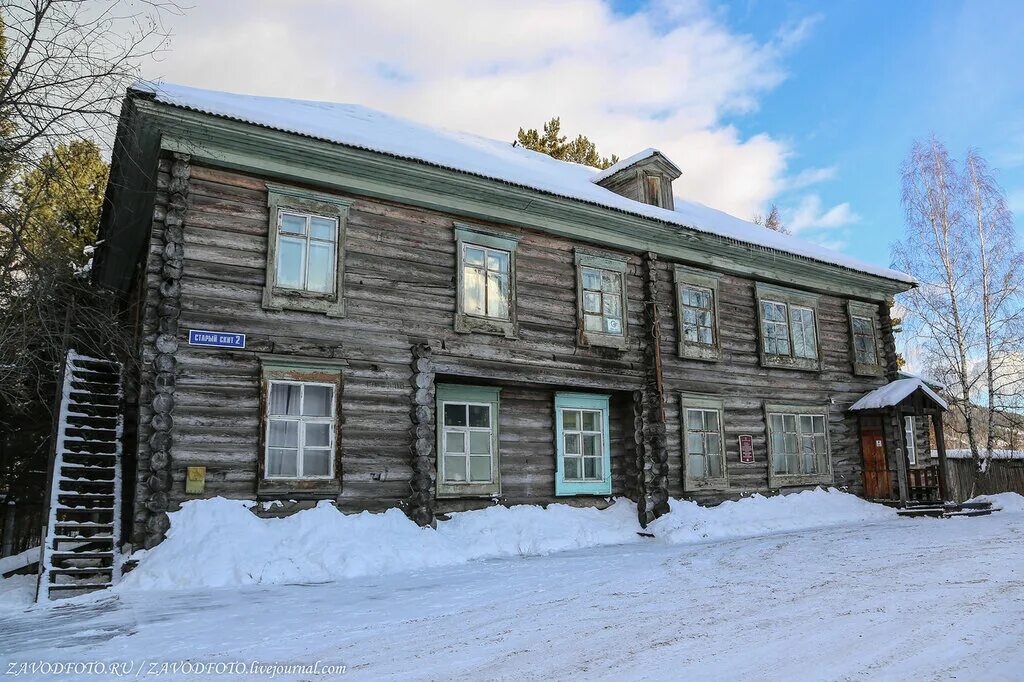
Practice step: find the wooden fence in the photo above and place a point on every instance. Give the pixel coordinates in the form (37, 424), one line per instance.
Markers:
(1004, 475)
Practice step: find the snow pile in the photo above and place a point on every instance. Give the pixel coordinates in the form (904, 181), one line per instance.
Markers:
(759, 515)
(17, 592)
(1007, 502)
(219, 542)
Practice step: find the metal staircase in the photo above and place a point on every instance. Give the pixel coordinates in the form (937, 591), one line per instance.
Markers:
(80, 547)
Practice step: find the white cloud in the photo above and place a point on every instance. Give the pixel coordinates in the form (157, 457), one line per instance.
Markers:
(809, 215)
(667, 76)
(810, 176)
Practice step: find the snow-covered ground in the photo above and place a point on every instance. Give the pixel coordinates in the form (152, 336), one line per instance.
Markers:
(883, 598)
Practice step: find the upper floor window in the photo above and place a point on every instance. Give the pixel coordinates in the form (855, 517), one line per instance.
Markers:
(653, 189)
(697, 303)
(601, 300)
(305, 251)
(864, 338)
(789, 336)
(798, 445)
(486, 282)
(703, 443)
(467, 441)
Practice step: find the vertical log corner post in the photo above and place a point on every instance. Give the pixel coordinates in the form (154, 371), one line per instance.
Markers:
(171, 258)
(421, 496)
(649, 409)
(889, 341)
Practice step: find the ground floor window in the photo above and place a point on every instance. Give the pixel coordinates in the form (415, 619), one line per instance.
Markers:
(583, 464)
(798, 445)
(467, 440)
(300, 430)
(703, 444)
(908, 425)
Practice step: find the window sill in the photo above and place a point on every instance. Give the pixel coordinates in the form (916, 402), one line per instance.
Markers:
(299, 488)
(705, 485)
(616, 341)
(287, 299)
(785, 481)
(784, 362)
(569, 489)
(451, 490)
(468, 324)
(693, 352)
(866, 370)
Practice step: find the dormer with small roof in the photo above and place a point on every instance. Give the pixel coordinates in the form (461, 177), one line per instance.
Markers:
(646, 177)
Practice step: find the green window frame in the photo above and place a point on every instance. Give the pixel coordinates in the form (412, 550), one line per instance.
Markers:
(601, 300)
(300, 425)
(468, 458)
(485, 267)
(308, 229)
(865, 354)
(799, 447)
(582, 444)
(697, 314)
(705, 465)
(788, 328)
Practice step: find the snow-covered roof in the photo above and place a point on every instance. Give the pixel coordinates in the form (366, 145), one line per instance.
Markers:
(358, 126)
(894, 393)
(626, 163)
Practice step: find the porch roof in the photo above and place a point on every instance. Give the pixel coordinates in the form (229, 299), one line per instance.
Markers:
(896, 392)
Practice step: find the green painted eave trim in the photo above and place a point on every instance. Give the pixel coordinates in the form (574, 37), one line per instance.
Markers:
(296, 158)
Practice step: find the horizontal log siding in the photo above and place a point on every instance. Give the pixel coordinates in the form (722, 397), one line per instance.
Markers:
(744, 386)
(399, 289)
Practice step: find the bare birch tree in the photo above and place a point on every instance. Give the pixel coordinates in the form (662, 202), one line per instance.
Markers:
(999, 283)
(942, 312)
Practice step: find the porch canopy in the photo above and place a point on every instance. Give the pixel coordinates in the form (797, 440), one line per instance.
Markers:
(908, 396)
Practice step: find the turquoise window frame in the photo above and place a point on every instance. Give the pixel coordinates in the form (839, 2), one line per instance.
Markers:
(454, 393)
(582, 401)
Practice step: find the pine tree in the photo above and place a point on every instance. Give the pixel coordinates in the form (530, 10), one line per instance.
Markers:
(551, 142)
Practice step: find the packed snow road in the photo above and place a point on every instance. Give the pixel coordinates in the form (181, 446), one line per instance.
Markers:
(896, 599)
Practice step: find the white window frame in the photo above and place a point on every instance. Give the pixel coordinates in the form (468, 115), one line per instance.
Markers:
(466, 430)
(302, 421)
(600, 415)
(910, 436)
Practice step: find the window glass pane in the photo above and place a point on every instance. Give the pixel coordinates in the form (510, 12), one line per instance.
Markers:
(570, 419)
(591, 302)
(695, 467)
(789, 422)
(323, 228)
(591, 279)
(292, 223)
(572, 443)
(454, 414)
(473, 295)
(715, 466)
(593, 323)
(316, 463)
(480, 443)
(284, 398)
(591, 421)
(591, 445)
(779, 461)
(497, 261)
(480, 468)
(689, 316)
(713, 443)
(692, 334)
(773, 312)
(571, 468)
(612, 325)
(592, 468)
(711, 419)
(284, 433)
(282, 462)
(318, 435)
(317, 401)
(290, 255)
(455, 442)
(474, 256)
(805, 424)
(497, 296)
(819, 425)
(819, 445)
(611, 282)
(695, 443)
(454, 468)
(776, 422)
(790, 443)
(612, 306)
(706, 336)
(695, 419)
(321, 267)
(479, 416)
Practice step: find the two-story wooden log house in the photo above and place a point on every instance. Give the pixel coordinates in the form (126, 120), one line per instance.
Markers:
(335, 304)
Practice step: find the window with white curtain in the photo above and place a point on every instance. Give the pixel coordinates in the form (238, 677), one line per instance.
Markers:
(300, 425)
(909, 430)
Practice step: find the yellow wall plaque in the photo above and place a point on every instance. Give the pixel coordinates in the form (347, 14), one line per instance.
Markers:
(195, 480)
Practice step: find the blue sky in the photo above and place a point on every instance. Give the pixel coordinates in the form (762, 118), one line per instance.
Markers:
(812, 105)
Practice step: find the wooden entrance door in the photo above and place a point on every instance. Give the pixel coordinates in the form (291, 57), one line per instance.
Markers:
(877, 482)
